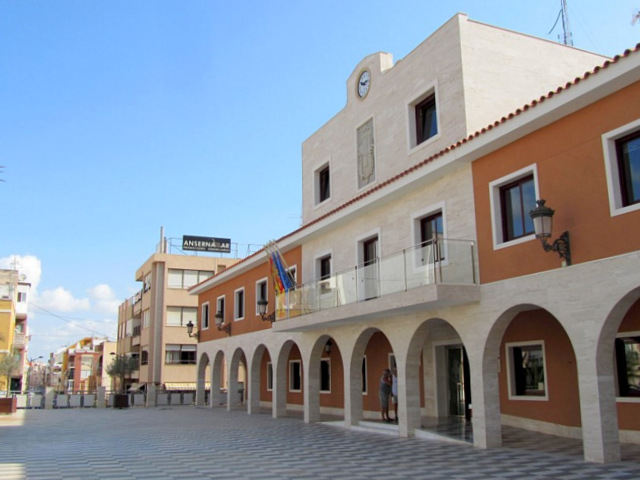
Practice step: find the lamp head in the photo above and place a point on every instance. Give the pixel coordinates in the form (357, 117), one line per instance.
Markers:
(542, 217)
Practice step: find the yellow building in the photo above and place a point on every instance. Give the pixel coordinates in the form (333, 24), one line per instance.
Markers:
(13, 328)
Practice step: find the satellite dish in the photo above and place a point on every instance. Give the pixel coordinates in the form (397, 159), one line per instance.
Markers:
(23, 277)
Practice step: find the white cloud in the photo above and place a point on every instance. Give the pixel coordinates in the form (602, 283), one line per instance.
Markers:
(61, 300)
(28, 265)
(104, 299)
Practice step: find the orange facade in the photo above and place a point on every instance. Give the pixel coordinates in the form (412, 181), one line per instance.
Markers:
(251, 321)
(569, 158)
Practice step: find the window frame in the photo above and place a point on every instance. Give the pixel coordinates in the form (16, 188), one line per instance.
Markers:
(497, 223)
(292, 376)
(321, 173)
(263, 281)
(221, 307)
(416, 225)
(183, 323)
(420, 107)
(610, 141)
(511, 371)
(412, 114)
(239, 307)
(327, 361)
(205, 320)
(181, 350)
(269, 380)
(635, 335)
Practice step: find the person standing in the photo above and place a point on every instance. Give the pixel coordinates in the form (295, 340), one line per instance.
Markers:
(384, 393)
(394, 393)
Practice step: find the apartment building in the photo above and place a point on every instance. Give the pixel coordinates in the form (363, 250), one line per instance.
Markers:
(14, 331)
(152, 325)
(79, 361)
(418, 251)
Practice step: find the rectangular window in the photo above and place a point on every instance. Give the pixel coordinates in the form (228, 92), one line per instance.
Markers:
(323, 184)
(180, 316)
(178, 278)
(526, 370)
(180, 354)
(325, 375)
(220, 308)
(269, 377)
(22, 297)
(628, 152)
(628, 365)
(145, 318)
(205, 316)
(431, 233)
(324, 267)
(295, 376)
(261, 292)
(144, 357)
(517, 199)
(364, 375)
(426, 119)
(238, 305)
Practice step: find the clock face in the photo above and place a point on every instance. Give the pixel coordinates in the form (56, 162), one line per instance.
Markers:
(363, 83)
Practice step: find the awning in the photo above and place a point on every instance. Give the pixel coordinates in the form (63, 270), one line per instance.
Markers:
(175, 386)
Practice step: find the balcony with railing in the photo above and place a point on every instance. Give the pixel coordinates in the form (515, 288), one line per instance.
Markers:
(432, 275)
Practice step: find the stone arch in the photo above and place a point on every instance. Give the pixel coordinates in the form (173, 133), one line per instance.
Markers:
(201, 379)
(437, 336)
(254, 382)
(313, 374)
(498, 394)
(606, 409)
(279, 399)
(354, 407)
(217, 374)
(237, 379)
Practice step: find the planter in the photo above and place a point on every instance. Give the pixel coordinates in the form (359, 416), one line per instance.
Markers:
(8, 405)
(121, 400)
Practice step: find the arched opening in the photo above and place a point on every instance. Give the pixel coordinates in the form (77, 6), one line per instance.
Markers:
(325, 382)
(288, 394)
(237, 381)
(203, 386)
(260, 382)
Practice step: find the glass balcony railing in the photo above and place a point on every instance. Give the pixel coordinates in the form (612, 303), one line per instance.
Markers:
(441, 261)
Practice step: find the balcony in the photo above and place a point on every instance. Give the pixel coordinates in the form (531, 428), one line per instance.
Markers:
(433, 275)
(19, 340)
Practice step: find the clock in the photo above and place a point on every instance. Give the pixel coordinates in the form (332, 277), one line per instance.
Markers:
(363, 83)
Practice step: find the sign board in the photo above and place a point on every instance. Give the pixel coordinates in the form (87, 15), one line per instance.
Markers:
(206, 244)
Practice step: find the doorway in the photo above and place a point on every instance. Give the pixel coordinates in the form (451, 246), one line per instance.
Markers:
(459, 382)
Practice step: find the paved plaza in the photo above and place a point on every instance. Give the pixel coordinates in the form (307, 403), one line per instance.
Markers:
(201, 443)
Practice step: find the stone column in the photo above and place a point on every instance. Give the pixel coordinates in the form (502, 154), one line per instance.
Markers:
(598, 411)
(50, 395)
(485, 394)
(152, 392)
(101, 397)
(311, 391)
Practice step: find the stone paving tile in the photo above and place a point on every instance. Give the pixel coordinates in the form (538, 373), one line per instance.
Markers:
(203, 443)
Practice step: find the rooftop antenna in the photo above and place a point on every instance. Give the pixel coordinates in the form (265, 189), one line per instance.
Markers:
(568, 38)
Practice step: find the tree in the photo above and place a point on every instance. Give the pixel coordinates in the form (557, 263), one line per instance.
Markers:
(120, 366)
(8, 364)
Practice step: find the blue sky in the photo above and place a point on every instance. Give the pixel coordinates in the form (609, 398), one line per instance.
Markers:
(119, 117)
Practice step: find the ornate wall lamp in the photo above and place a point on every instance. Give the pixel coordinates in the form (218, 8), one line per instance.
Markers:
(328, 347)
(220, 323)
(190, 331)
(542, 217)
(262, 310)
